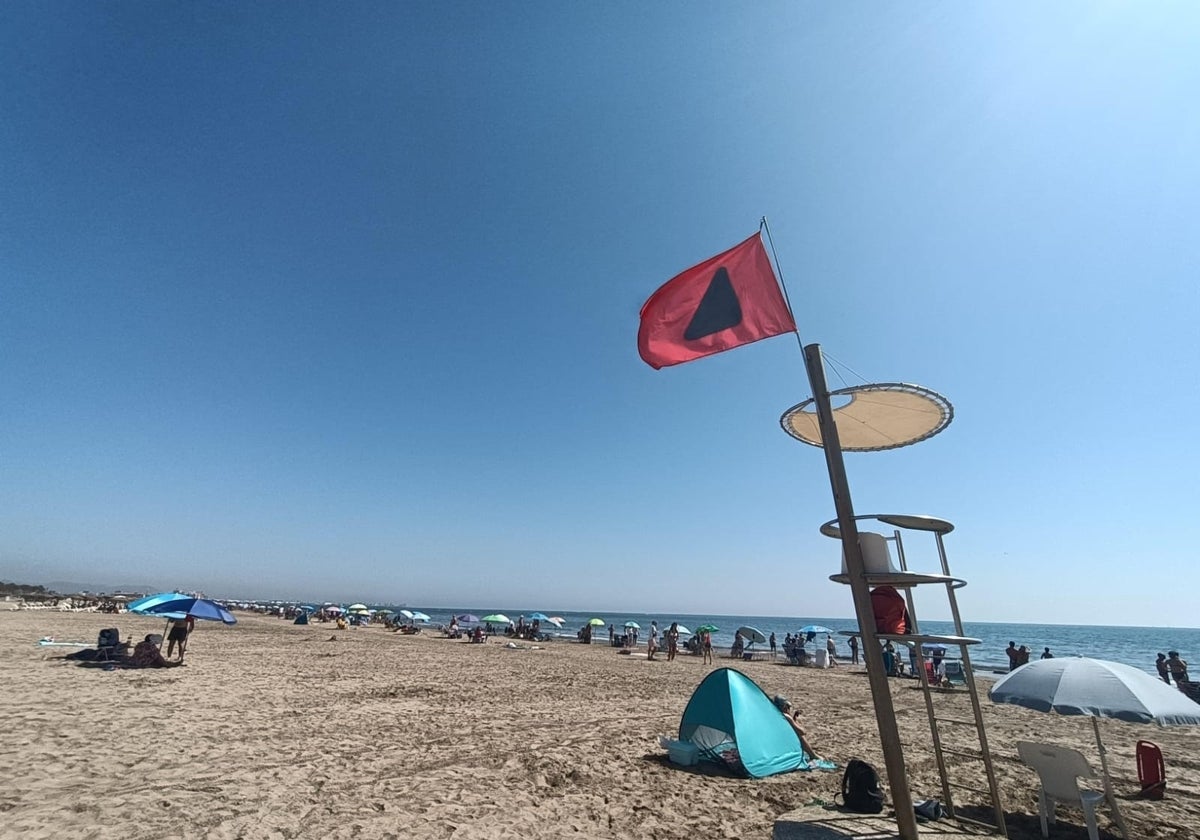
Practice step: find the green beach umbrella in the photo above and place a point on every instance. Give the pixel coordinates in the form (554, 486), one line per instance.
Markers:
(708, 628)
(496, 618)
(597, 622)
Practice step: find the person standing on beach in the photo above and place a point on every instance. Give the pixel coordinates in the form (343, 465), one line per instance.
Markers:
(652, 641)
(1177, 666)
(853, 650)
(672, 640)
(706, 644)
(1014, 656)
(181, 628)
(831, 648)
(772, 642)
(1164, 672)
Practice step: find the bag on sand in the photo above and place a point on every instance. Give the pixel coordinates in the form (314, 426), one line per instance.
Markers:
(860, 788)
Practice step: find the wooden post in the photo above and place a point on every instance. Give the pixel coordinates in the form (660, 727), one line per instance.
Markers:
(881, 691)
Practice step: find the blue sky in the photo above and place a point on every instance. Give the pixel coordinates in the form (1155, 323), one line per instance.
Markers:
(340, 300)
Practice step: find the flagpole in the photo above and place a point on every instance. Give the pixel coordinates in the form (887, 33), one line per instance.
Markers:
(762, 225)
(881, 691)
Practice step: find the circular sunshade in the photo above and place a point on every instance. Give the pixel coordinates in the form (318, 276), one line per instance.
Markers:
(875, 417)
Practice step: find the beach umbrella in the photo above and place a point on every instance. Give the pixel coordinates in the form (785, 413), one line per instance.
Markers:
(751, 634)
(815, 628)
(539, 617)
(708, 628)
(417, 615)
(142, 604)
(597, 622)
(383, 612)
(467, 618)
(496, 618)
(1096, 688)
(683, 631)
(557, 622)
(354, 607)
(185, 605)
(633, 625)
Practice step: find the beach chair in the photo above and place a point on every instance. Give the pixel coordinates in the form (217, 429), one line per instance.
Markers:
(952, 670)
(109, 645)
(1059, 769)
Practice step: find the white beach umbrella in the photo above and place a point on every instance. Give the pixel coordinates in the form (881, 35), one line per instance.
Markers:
(1096, 688)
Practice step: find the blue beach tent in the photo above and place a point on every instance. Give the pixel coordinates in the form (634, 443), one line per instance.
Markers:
(733, 722)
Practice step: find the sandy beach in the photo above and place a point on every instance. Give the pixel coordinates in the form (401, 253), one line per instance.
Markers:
(277, 731)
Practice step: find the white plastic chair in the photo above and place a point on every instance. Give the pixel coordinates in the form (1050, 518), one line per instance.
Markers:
(877, 558)
(1059, 768)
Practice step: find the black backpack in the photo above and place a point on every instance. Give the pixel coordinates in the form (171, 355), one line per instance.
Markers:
(860, 788)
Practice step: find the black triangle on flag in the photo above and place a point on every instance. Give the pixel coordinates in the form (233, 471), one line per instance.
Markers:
(719, 309)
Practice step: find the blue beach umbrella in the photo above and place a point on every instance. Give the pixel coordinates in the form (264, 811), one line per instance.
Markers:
(184, 605)
(815, 628)
(142, 604)
(419, 616)
(539, 617)
(467, 618)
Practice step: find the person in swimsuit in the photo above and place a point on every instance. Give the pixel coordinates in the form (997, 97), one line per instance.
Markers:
(181, 628)
(147, 655)
(1177, 666)
(793, 717)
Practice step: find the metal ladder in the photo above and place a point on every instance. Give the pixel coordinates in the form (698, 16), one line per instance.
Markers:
(936, 722)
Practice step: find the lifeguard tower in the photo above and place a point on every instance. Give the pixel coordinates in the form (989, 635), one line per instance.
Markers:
(872, 418)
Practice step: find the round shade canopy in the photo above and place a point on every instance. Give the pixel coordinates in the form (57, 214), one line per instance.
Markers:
(875, 417)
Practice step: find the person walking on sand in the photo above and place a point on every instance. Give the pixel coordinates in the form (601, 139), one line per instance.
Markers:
(831, 648)
(1164, 672)
(853, 650)
(652, 641)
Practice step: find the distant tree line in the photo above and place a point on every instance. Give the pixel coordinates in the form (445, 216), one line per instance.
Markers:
(26, 590)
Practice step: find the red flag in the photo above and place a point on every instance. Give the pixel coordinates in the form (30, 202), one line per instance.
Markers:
(724, 302)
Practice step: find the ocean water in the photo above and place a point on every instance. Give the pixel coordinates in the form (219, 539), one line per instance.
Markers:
(1136, 646)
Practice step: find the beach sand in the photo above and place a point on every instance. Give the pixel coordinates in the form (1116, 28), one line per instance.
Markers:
(278, 731)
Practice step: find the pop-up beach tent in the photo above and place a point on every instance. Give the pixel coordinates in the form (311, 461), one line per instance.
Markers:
(733, 722)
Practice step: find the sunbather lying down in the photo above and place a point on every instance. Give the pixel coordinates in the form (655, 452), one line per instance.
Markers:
(147, 655)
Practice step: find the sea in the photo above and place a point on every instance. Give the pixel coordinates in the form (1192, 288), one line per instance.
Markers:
(1135, 646)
